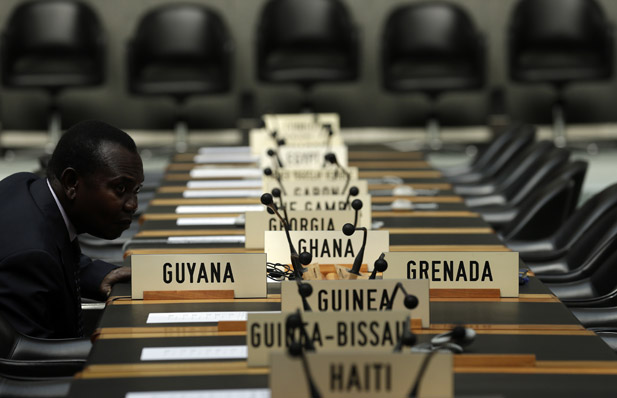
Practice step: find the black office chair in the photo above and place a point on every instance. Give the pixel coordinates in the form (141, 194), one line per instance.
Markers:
(180, 50)
(555, 246)
(53, 45)
(544, 211)
(30, 358)
(515, 149)
(559, 42)
(431, 47)
(306, 43)
(489, 154)
(10, 388)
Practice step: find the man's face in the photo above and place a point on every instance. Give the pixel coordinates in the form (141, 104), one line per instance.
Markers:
(106, 200)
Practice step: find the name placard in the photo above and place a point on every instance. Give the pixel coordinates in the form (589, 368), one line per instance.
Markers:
(343, 296)
(359, 374)
(259, 221)
(376, 331)
(327, 247)
(458, 270)
(291, 122)
(311, 157)
(330, 173)
(245, 274)
(330, 203)
(317, 188)
(261, 139)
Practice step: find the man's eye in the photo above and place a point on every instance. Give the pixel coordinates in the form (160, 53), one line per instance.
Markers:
(138, 189)
(120, 188)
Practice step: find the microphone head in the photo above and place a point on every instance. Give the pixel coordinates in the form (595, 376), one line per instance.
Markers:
(408, 339)
(349, 229)
(293, 321)
(276, 193)
(305, 289)
(305, 258)
(330, 157)
(462, 335)
(410, 301)
(270, 152)
(274, 133)
(295, 349)
(281, 142)
(268, 171)
(356, 204)
(354, 191)
(266, 199)
(381, 264)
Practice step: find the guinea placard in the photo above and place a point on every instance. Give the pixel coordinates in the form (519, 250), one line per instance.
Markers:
(360, 374)
(244, 273)
(343, 296)
(374, 331)
(458, 270)
(256, 222)
(327, 247)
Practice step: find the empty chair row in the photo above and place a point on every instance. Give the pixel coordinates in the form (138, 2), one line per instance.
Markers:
(185, 49)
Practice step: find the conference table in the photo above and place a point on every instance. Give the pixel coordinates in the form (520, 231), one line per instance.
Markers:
(529, 346)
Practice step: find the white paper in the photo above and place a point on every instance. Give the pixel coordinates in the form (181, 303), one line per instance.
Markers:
(243, 393)
(255, 183)
(200, 317)
(176, 240)
(239, 172)
(224, 149)
(217, 209)
(206, 221)
(223, 193)
(225, 158)
(193, 353)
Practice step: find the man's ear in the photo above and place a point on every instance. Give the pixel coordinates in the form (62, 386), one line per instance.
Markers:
(70, 181)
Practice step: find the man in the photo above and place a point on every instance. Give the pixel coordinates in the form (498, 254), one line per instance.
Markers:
(92, 182)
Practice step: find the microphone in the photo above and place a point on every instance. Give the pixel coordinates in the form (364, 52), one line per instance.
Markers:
(297, 261)
(296, 349)
(407, 338)
(328, 127)
(353, 191)
(277, 194)
(410, 301)
(331, 158)
(273, 154)
(459, 336)
(268, 172)
(380, 265)
(349, 229)
(356, 205)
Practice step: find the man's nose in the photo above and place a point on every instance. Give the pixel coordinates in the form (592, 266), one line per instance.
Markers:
(131, 203)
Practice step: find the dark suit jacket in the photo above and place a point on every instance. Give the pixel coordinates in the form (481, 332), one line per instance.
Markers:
(37, 261)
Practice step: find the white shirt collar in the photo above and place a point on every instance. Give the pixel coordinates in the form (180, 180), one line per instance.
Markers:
(67, 222)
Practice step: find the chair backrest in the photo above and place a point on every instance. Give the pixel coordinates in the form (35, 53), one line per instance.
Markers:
(434, 39)
(306, 31)
(541, 213)
(541, 30)
(180, 49)
(50, 30)
(584, 217)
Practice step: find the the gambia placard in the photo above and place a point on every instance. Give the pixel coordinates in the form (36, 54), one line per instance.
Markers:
(343, 296)
(316, 188)
(374, 331)
(326, 247)
(458, 270)
(245, 274)
(329, 173)
(360, 374)
(330, 203)
(257, 222)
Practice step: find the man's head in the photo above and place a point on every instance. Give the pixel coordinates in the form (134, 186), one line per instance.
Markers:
(96, 173)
